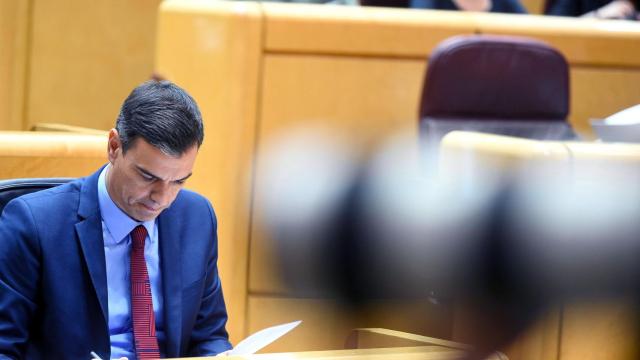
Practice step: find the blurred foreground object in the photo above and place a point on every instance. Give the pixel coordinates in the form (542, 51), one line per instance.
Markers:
(509, 238)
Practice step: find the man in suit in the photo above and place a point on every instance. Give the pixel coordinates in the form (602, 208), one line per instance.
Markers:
(123, 262)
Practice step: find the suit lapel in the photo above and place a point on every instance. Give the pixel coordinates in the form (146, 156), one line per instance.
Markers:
(172, 282)
(89, 231)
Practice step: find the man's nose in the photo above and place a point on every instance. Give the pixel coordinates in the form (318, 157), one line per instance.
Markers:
(162, 193)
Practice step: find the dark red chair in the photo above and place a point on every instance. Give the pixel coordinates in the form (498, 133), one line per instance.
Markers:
(498, 84)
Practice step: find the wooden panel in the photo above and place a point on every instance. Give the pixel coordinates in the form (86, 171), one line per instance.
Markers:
(366, 96)
(14, 21)
(540, 342)
(369, 99)
(599, 331)
(597, 93)
(212, 50)
(86, 58)
(325, 325)
(42, 154)
(593, 42)
(534, 6)
(67, 128)
(413, 33)
(325, 29)
(421, 317)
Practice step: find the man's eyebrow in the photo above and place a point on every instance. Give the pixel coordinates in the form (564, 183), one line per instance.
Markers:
(148, 173)
(184, 178)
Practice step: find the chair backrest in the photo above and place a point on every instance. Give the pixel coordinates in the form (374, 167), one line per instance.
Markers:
(499, 84)
(10, 189)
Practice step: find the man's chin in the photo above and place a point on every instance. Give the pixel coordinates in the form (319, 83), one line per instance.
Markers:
(142, 213)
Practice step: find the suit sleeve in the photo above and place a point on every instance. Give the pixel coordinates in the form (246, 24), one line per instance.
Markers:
(19, 277)
(209, 336)
(564, 8)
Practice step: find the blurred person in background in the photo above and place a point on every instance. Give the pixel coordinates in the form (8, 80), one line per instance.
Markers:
(600, 9)
(495, 6)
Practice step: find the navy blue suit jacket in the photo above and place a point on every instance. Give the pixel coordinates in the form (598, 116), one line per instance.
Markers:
(497, 6)
(53, 285)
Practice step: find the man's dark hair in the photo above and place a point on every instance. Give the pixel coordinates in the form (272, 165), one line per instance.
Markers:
(164, 115)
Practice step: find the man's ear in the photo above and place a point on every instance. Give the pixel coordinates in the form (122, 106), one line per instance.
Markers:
(114, 145)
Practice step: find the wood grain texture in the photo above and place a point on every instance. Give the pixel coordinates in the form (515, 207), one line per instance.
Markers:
(212, 50)
(600, 331)
(84, 60)
(367, 31)
(42, 154)
(14, 37)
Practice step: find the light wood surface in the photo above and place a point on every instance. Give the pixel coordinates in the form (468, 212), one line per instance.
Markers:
(582, 41)
(534, 6)
(67, 128)
(84, 60)
(43, 154)
(365, 31)
(370, 97)
(600, 330)
(14, 35)
(212, 50)
(325, 323)
(400, 353)
(599, 92)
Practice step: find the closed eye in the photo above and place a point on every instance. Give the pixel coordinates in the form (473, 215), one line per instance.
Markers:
(147, 177)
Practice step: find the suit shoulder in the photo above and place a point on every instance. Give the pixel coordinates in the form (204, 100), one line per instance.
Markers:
(52, 198)
(72, 187)
(191, 198)
(190, 201)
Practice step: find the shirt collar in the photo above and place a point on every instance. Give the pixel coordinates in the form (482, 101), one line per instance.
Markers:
(118, 223)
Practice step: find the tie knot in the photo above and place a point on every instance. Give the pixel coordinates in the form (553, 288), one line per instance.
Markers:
(138, 235)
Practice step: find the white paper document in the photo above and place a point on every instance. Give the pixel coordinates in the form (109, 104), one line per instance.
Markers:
(262, 338)
(625, 117)
(623, 126)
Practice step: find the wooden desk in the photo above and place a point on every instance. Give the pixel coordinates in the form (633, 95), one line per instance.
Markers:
(378, 343)
(400, 353)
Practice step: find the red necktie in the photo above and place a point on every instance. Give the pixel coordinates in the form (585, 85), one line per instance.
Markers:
(144, 322)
